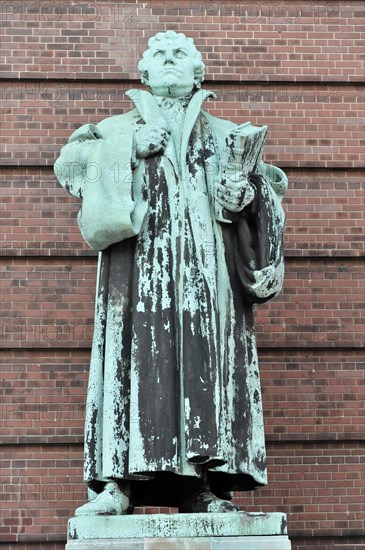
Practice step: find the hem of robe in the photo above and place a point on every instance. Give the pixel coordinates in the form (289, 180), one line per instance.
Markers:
(166, 488)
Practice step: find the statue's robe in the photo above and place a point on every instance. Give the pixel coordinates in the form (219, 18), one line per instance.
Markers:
(174, 379)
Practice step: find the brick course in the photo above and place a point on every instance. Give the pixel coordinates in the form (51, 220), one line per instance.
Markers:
(309, 125)
(325, 213)
(272, 40)
(317, 484)
(50, 302)
(307, 397)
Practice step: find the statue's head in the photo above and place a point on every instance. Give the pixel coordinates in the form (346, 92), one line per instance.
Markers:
(172, 66)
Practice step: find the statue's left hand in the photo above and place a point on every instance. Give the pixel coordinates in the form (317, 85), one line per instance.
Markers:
(235, 193)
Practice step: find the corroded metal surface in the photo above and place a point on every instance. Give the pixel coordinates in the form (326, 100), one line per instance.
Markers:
(174, 380)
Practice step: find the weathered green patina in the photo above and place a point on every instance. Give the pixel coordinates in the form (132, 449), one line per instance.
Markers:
(178, 525)
(188, 244)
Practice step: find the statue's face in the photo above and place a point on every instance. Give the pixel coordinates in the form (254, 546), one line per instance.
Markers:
(171, 68)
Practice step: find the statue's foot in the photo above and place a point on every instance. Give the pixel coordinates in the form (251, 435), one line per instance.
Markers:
(206, 501)
(110, 502)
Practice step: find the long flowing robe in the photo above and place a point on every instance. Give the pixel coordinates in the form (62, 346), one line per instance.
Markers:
(174, 380)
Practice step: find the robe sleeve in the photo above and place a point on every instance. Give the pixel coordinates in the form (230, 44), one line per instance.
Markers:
(254, 243)
(71, 166)
(275, 177)
(99, 169)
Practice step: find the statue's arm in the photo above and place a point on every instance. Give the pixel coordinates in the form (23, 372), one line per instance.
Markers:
(258, 241)
(72, 164)
(234, 191)
(253, 221)
(275, 177)
(255, 239)
(97, 165)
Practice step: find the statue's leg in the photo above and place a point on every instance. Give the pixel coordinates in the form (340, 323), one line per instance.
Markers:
(115, 499)
(199, 498)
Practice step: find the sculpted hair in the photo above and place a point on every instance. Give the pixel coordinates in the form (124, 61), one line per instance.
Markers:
(199, 66)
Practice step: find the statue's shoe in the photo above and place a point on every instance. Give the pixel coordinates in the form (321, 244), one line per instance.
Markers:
(206, 501)
(110, 502)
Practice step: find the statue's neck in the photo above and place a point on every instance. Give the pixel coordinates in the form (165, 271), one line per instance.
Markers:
(174, 108)
(174, 102)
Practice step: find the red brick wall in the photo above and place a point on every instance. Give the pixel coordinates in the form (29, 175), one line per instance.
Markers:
(293, 65)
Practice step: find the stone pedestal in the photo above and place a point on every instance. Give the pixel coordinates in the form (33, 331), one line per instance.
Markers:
(229, 531)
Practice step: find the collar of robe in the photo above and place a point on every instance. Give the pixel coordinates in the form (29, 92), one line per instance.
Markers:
(149, 109)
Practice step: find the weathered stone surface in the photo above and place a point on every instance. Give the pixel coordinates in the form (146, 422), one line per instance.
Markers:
(188, 222)
(176, 525)
(278, 542)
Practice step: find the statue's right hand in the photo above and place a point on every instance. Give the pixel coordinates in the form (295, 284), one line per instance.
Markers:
(151, 139)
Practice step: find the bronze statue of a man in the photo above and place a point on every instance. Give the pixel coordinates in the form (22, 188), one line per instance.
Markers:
(188, 243)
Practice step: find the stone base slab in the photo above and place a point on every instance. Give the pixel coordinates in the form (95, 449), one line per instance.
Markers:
(277, 542)
(227, 531)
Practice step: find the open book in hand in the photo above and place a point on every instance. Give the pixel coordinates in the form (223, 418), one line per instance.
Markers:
(244, 148)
